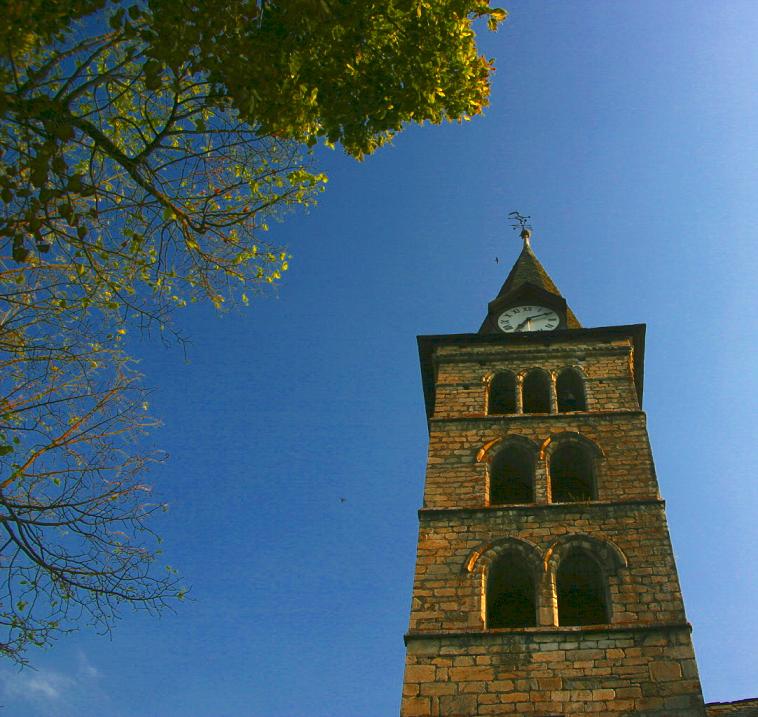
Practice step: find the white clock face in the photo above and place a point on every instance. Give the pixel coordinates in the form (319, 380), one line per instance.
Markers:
(527, 318)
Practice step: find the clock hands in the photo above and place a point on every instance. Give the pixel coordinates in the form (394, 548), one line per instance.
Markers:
(523, 323)
(539, 316)
(529, 318)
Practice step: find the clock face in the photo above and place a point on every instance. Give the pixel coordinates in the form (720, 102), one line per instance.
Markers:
(527, 318)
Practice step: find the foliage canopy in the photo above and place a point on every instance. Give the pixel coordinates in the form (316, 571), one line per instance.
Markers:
(144, 150)
(352, 72)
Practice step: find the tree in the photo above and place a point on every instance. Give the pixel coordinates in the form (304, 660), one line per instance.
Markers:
(143, 154)
(73, 508)
(124, 181)
(353, 72)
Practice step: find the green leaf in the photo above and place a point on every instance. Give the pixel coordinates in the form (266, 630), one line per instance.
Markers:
(116, 20)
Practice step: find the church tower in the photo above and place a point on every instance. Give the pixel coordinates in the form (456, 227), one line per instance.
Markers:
(545, 581)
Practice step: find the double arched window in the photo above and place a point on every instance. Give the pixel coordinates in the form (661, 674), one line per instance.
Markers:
(568, 586)
(517, 473)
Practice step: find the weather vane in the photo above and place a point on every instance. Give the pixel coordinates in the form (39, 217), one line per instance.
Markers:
(523, 222)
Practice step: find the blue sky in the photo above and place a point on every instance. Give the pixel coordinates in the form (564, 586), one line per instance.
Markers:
(628, 132)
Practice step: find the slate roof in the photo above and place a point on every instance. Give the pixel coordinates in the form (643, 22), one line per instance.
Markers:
(740, 708)
(528, 270)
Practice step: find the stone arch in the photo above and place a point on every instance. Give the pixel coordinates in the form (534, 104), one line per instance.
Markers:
(555, 439)
(490, 449)
(482, 556)
(536, 391)
(510, 593)
(606, 552)
(571, 392)
(509, 572)
(579, 568)
(501, 393)
(511, 470)
(573, 467)
(581, 591)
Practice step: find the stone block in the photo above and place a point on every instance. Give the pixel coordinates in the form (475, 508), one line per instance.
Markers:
(665, 671)
(457, 706)
(416, 707)
(420, 673)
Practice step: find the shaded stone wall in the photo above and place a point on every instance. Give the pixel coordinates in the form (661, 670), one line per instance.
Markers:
(739, 708)
(644, 672)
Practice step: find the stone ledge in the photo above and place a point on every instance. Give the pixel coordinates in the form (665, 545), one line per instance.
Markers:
(500, 418)
(468, 355)
(530, 632)
(531, 507)
(738, 708)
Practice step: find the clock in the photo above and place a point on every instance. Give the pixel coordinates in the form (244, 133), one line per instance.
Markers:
(527, 318)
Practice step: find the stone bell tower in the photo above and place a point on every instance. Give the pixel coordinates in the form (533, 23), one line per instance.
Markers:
(545, 580)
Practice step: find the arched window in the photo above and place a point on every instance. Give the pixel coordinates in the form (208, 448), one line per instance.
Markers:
(570, 389)
(512, 476)
(502, 397)
(571, 474)
(580, 584)
(536, 392)
(510, 592)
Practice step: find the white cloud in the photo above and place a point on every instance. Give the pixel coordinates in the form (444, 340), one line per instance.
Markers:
(86, 669)
(50, 692)
(46, 684)
(37, 688)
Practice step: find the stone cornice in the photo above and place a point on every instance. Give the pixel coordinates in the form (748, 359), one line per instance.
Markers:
(493, 635)
(462, 355)
(434, 513)
(527, 417)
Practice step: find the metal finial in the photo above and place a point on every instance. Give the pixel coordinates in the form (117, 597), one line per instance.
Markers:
(523, 222)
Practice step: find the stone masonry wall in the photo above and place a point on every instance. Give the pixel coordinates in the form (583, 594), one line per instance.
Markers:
(463, 371)
(460, 453)
(454, 549)
(641, 662)
(611, 673)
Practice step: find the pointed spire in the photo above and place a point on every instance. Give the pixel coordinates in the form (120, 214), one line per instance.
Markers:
(526, 235)
(526, 281)
(528, 270)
